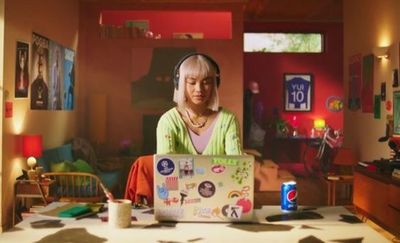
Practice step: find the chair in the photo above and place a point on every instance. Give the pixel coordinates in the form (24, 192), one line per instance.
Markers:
(341, 174)
(139, 185)
(77, 186)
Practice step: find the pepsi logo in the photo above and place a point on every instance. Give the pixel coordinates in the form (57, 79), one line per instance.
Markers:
(291, 196)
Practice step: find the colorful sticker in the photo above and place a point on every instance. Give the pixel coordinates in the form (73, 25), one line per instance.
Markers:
(243, 193)
(206, 189)
(202, 212)
(172, 183)
(218, 169)
(162, 191)
(183, 194)
(192, 200)
(200, 171)
(170, 201)
(216, 213)
(225, 161)
(334, 103)
(234, 211)
(190, 186)
(165, 167)
(186, 167)
(241, 173)
(246, 204)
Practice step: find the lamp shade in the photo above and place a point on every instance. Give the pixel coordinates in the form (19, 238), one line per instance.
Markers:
(319, 123)
(32, 145)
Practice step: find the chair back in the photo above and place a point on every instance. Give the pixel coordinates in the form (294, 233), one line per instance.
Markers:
(77, 186)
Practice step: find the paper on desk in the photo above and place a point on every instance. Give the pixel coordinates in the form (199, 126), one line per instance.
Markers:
(54, 210)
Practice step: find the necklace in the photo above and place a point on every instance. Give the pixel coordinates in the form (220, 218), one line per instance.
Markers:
(195, 124)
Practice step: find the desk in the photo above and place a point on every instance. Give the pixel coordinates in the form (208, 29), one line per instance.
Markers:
(31, 189)
(146, 229)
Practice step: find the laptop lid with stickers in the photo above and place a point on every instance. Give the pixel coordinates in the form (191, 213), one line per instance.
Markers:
(203, 188)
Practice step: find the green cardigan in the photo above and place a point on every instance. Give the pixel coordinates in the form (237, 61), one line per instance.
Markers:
(173, 135)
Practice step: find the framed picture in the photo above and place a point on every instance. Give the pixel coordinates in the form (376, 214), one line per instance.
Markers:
(396, 112)
(298, 91)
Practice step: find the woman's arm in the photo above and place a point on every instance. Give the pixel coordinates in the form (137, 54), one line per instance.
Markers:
(165, 137)
(233, 144)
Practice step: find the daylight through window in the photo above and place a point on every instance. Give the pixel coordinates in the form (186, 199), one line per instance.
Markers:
(283, 42)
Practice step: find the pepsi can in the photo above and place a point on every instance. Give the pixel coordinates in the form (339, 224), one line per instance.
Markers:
(289, 196)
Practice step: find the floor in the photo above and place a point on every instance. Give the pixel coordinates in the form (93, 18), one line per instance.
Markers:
(312, 191)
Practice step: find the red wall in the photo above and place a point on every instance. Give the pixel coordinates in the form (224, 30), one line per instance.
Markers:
(213, 24)
(268, 70)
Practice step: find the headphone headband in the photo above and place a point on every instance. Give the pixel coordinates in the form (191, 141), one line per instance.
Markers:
(178, 66)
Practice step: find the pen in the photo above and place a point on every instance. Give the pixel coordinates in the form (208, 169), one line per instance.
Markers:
(108, 194)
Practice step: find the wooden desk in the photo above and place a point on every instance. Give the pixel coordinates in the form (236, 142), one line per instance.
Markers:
(377, 196)
(328, 229)
(31, 189)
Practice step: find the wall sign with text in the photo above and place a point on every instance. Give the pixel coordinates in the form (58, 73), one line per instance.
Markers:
(298, 89)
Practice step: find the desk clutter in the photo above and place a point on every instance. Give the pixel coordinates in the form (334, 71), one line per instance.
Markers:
(323, 224)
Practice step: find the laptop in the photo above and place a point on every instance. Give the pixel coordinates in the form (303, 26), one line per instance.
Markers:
(203, 188)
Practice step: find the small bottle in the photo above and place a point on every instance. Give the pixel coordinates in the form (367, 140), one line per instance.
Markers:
(312, 134)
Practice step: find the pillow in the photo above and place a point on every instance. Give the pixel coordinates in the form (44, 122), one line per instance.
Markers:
(62, 167)
(64, 152)
(82, 166)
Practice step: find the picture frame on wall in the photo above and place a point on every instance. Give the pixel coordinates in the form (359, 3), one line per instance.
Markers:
(298, 91)
(396, 112)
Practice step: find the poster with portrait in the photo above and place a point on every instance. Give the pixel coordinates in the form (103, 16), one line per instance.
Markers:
(69, 79)
(21, 70)
(55, 84)
(39, 71)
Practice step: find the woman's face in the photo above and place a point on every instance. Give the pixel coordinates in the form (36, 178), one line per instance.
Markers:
(198, 89)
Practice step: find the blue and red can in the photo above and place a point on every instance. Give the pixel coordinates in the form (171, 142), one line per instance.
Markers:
(289, 196)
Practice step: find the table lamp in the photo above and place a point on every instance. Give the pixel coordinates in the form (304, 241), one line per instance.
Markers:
(32, 149)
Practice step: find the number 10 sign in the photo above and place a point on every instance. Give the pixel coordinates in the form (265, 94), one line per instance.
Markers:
(298, 91)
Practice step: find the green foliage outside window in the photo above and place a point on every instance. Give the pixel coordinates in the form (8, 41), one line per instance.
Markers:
(283, 42)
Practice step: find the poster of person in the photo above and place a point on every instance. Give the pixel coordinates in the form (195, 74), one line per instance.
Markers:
(39, 72)
(21, 70)
(55, 84)
(69, 79)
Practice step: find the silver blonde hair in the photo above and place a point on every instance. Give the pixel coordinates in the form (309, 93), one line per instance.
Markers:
(200, 67)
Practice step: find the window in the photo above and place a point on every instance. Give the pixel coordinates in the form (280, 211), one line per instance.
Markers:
(283, 42)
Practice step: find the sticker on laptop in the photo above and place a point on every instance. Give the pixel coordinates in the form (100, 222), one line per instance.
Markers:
(241, 173)
(206, 189)
(186, 167)
(232, 211)
(245, 204)
(162, 191)
(172, 183)
(218, 169)
(165, 166)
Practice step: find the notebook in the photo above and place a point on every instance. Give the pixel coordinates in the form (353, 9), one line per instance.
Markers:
(201, 188)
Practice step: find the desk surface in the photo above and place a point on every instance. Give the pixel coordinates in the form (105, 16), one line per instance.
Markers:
(146, 229)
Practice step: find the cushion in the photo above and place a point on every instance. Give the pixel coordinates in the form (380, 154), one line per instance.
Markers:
(55, 155)
(82, 166)
(64, 166)
(65, 152)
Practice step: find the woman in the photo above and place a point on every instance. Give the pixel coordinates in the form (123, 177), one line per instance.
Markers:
(197, 125)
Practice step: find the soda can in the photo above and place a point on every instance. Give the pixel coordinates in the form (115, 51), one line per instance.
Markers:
(289, 196)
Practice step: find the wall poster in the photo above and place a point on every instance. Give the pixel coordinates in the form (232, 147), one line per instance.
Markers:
(354, 102)
(39, 71)
(297, 92)
(21, 70)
